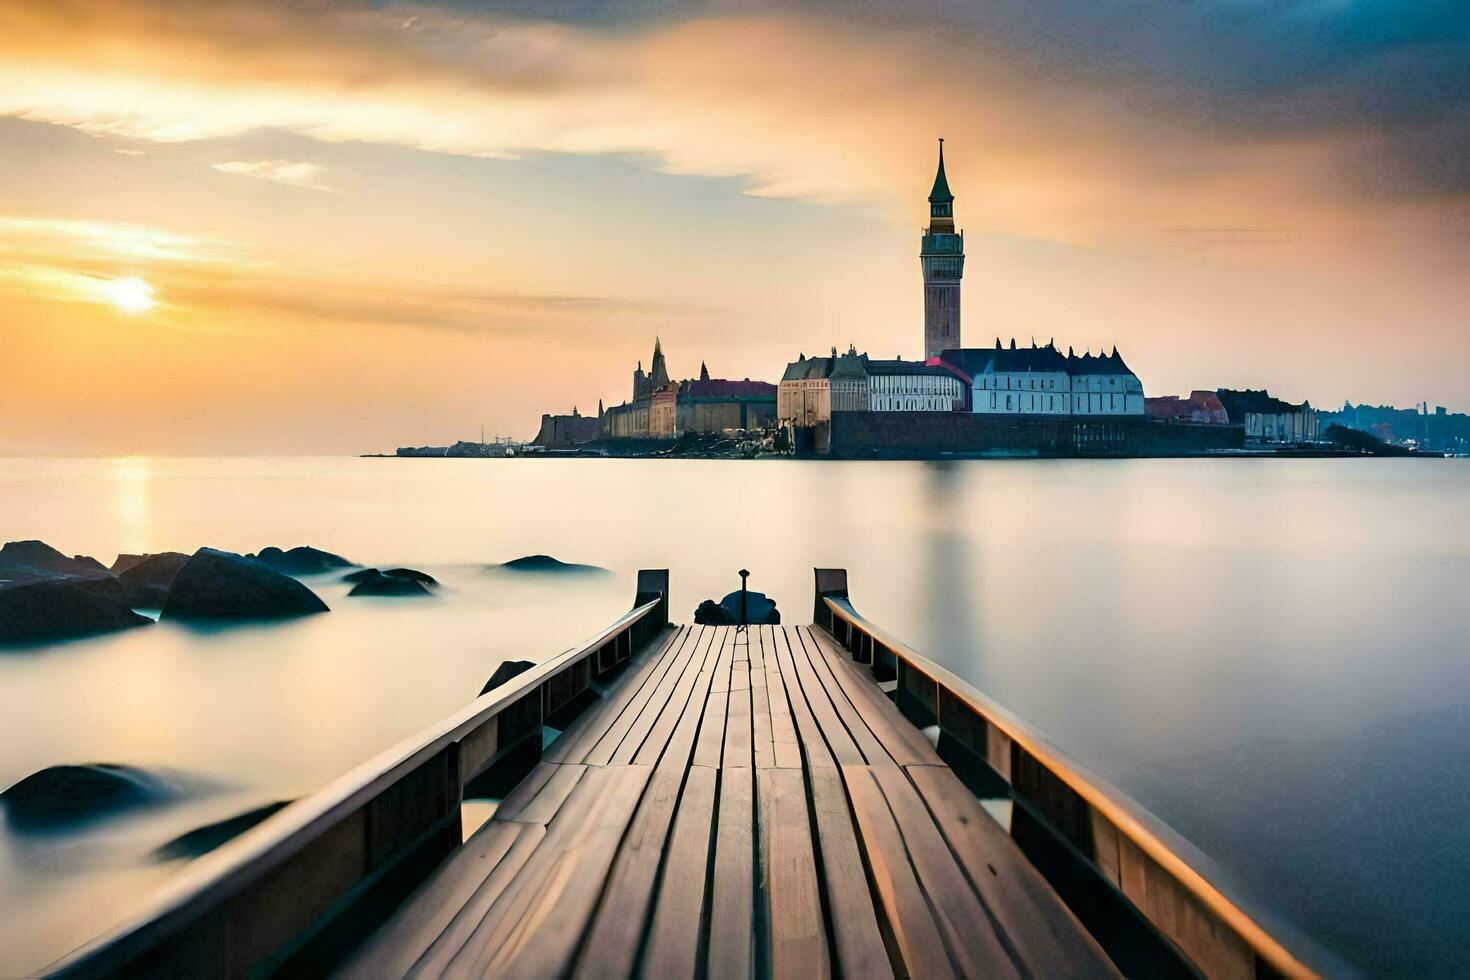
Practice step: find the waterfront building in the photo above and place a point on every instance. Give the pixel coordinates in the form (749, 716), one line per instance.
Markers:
(712, 405)
(1103, 385)
(561, 431)
(813, 388)
(1269, 419)
(942, 260)
(1201, 408)
(644, 385)
(1042, 381)
(804, 394)
(911, 386)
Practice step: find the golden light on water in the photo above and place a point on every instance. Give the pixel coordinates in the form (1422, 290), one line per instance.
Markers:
(129, 294)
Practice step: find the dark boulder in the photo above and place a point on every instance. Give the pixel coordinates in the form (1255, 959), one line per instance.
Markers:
(29, 561)
(363, 574)
(63, 795)
(38, 611)
(223, 585)
(302, 561)
(506, 671)
(545, 564)
(146, 583)
(202, 840)
(125, 562)
(379, 584)
(711, 613)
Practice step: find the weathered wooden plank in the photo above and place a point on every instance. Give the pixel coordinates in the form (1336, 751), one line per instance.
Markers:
(812, 748)
(910, 921)
(856, 937)
(905, 743)
(440, 949)
(711, 740)
(540, 804)
(738, 750)
(424, 916)
(652, 744)
(974, 945)
(675, 757)
(573, 744)
(762, 741)
(1045, 935)
(784, 741)
(653, 691)
(679, 918)
(813, 667)
(797, 936)
(611, 948)
(732, 904)
(686, 668)
(545, 909)
(799, 677)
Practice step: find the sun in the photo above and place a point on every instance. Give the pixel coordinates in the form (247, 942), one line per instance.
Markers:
(129, 294)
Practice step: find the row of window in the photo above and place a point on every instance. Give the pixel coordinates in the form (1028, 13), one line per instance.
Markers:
(1034, 403)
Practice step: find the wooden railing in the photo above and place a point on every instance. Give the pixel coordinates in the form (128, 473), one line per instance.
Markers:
(292, 892)
(1129, 878)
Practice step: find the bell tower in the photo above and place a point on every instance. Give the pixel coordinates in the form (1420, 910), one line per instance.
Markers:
(942, 258)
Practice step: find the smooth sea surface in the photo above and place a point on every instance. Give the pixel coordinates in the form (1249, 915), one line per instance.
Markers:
(1271, 655)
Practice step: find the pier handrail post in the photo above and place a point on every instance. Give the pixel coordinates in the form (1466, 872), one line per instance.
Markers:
(831, 583)
(653, 583)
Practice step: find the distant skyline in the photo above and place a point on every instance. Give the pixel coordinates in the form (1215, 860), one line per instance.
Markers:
(245, 228)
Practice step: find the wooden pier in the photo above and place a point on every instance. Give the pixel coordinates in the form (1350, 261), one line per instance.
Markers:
(773, 801)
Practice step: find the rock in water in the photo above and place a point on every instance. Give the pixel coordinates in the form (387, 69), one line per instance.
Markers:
(36, 611)
(548, 564)
(363, 574)
(25, 561)
(202, 840)
(505, 672)
(146, 582)
(379, 584)
(63, 795)
(223, 585)
(302, 560)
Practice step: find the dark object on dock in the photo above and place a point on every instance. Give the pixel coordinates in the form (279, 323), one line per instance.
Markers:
(712, 613)
(59, 796)
(146, 582)
(202, 840)
(545, 564)
(375, 583)
(222, 585)
(301, 560)
(509, 670)
(37, 611)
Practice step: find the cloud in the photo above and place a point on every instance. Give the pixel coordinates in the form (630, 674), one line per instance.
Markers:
(291, 173)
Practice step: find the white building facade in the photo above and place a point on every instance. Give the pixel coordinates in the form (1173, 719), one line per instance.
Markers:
(1043, 381)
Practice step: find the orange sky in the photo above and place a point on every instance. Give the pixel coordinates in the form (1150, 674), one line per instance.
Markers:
(244, 228)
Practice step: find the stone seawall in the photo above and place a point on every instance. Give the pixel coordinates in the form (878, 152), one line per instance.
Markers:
(931, 435)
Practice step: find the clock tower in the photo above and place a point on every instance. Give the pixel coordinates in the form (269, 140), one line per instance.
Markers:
(942, 258)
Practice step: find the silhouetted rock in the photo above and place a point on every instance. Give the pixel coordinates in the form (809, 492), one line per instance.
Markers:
(223, 585)
(506, 671)
(363, 574)
(711, 613)
(302, 560)
(380, 584)
(543, 564)
(125, 562)
(146, 582)
(202, 840)
(42, 610)
(61, 795)
(29, 561)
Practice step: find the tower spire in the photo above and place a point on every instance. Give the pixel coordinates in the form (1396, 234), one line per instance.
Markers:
(940, 194)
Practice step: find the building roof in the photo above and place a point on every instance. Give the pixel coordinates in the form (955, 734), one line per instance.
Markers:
(806, 368)
(720, 388)
(940, 194)
(907, 368)
(1240, 403)
(1097, 364)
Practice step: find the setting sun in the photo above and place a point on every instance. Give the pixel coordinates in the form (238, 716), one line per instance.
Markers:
(129, 294)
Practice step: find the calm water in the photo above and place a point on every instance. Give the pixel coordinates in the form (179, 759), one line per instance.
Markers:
(1272, 656)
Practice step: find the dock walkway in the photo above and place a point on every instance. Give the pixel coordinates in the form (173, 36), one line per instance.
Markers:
(737, 803)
